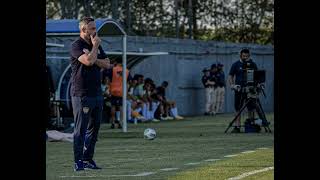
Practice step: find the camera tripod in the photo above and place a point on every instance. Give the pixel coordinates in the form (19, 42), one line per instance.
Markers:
(253, 97)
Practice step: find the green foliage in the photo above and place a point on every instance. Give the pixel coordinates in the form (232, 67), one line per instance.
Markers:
(244, 21)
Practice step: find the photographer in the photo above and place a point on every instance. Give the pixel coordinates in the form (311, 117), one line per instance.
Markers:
(237, 83)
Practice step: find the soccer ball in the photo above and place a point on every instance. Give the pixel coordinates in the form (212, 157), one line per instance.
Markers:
(149, 134)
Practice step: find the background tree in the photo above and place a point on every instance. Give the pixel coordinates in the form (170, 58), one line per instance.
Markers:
(246, 21)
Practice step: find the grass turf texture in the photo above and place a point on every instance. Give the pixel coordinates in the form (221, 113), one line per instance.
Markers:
(178, 143)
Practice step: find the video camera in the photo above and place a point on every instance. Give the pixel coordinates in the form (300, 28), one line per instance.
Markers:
(253, 80)
(253, 77)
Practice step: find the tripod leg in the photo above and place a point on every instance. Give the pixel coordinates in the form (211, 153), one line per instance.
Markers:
(239, 113)
(260, 113)
(266, 121)
(262, 116)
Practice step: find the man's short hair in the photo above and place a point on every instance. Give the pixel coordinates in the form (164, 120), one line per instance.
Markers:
(118, 60)
(165, 83)
(205, 70)
(213, 66)
(246, 51)
(137, 76)
(85, 21)
(148, 80)
(220, 65)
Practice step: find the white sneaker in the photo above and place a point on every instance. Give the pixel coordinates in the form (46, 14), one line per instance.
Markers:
(163, 118)
(169, 118)
(141, 117)
(179, 117)
(155, 120)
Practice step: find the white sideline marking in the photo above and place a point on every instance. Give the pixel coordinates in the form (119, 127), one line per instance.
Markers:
(263, 148)
(188, 164)
(78, 176)
(120, 175)
(168, 169)
(171, 169)
(210, 160)
(144, 174)
(232, 155)
(251, 173)
(245, 152)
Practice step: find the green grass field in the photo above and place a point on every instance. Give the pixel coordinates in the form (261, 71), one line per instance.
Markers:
(193, 148)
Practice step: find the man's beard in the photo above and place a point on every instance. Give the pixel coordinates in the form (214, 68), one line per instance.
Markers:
(88, 38)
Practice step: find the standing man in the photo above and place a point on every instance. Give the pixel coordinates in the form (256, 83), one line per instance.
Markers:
(237, 83)
(220, 88)
(87, 57)
(208, 85)
(116, 93)
(214, 92)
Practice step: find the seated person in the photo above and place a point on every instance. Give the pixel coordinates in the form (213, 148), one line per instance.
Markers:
(150, 104)
(168, 107)
(133, 103)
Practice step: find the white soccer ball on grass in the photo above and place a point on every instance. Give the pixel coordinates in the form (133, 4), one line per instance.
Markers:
(149, 134)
